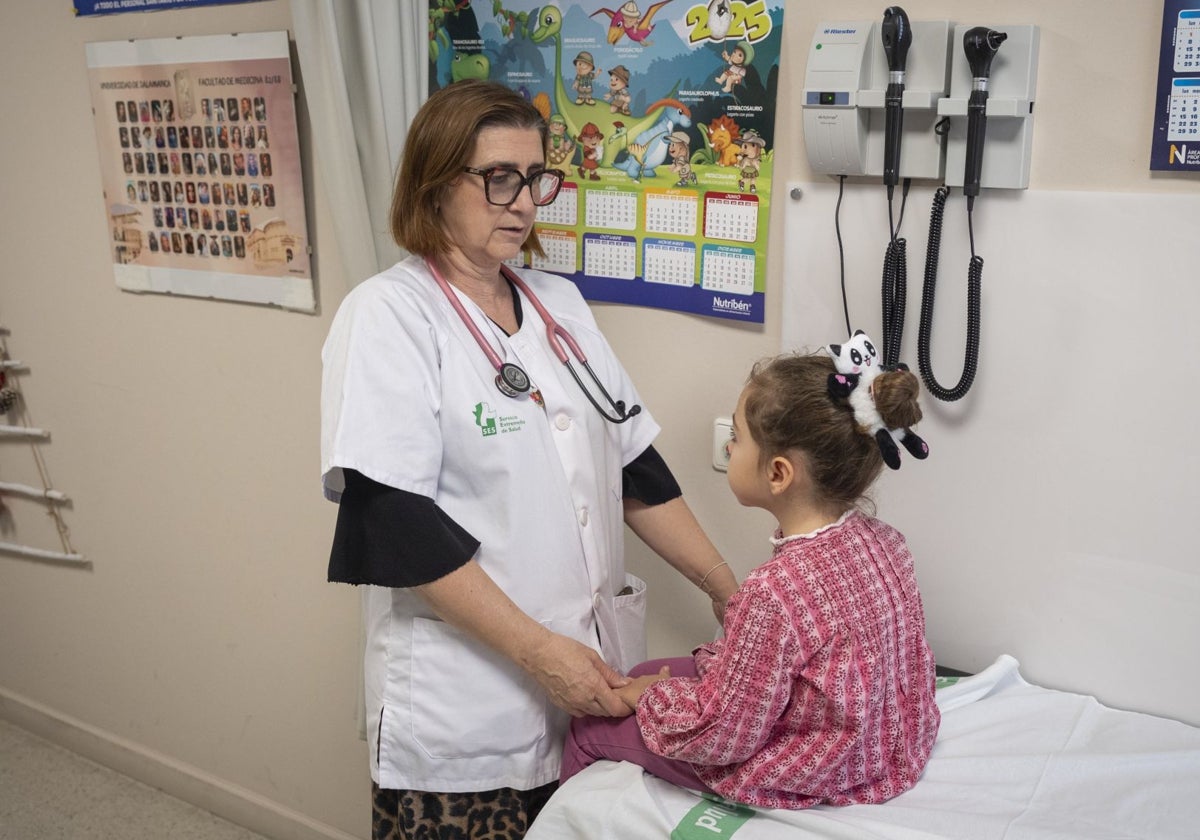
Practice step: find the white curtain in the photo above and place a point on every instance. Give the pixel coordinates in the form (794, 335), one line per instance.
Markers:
(364, 72)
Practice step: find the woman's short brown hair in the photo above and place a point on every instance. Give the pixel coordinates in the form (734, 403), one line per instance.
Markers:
(440, 143)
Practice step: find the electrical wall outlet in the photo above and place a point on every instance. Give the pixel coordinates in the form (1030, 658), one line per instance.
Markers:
(722, 432)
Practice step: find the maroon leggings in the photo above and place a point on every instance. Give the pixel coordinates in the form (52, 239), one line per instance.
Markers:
(618, 739)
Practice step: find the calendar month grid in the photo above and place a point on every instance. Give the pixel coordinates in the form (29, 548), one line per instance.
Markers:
(606, 255)
(1184, 119)
(564, 210)
(728, 269)
(669, 261)
(560, 247)
(672, 212)
(731, 216)
(611, 208)
(1187, 41)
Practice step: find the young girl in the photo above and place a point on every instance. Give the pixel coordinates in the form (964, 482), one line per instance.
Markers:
(822, 690)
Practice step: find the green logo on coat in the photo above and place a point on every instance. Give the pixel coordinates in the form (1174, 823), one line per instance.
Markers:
(485, 419)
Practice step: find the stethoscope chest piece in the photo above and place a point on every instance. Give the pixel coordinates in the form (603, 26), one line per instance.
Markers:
(512, 380)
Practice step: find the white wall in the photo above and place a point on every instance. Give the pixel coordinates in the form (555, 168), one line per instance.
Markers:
(1048, 520)
(202, 648)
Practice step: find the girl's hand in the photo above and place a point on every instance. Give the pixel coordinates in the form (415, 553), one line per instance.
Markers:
(638, 685)
(718, 608)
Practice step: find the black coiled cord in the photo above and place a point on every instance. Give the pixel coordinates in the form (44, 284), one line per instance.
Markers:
(895, 291)
(895, 285)
(974, 286)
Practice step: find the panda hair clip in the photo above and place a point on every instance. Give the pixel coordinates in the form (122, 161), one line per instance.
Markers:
(857, 364)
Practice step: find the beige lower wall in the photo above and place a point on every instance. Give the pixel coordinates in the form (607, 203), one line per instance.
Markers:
(183, 781)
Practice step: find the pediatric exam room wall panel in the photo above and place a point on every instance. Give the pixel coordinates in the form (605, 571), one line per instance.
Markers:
(1051, 519)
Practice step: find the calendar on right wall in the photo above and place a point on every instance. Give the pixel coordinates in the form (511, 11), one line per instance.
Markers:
(1176, 145)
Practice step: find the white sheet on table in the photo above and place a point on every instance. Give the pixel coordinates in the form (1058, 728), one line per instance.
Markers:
(1012, 761)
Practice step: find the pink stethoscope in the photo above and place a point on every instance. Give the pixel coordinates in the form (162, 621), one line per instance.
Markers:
(511, 379)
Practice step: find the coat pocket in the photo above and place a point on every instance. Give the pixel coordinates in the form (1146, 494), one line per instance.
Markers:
(467, 700)
(631, 622)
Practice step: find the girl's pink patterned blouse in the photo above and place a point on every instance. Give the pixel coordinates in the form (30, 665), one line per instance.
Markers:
(822, 690)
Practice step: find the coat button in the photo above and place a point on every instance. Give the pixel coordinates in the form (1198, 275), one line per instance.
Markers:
(562, 422)
(583, 516)
(598, 601)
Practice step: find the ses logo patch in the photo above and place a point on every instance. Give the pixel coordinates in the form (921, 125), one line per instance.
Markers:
(485, 419)
(490, 423)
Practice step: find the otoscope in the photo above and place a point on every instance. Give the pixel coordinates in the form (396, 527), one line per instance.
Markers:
(897, 37)
(980, 45)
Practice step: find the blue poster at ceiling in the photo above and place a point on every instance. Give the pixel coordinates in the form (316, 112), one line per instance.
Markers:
(1176, 145)
(112, 7)
(662, 116)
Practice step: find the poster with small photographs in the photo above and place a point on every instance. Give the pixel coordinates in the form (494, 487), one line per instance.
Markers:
(200, 163)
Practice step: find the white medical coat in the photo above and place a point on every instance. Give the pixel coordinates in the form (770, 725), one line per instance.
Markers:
(409, 400)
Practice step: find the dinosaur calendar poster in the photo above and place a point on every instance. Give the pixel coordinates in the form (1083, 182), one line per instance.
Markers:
(662, 116)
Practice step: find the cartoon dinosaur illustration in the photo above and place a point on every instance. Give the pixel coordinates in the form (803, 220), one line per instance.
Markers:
(626, 21)
(722, 134)
(619, 135)
(549, 28)
(469, 66)
(450, 22)
(647, 150)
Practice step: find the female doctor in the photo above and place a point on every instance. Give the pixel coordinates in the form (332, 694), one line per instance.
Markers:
(483, 482)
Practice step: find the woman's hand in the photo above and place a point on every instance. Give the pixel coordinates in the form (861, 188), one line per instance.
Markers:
(631, 693)
(576, 678)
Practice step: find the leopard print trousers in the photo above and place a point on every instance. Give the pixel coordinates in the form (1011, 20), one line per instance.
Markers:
(503, 814)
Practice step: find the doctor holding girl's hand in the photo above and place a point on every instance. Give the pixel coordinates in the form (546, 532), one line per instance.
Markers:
(484, 485)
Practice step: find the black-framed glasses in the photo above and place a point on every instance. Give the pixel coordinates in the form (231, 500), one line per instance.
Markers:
(502, 185)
